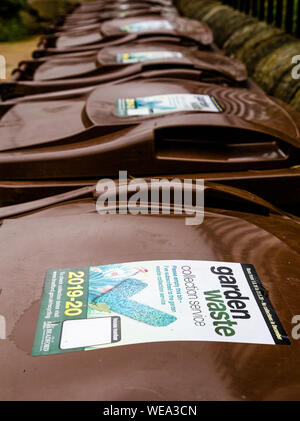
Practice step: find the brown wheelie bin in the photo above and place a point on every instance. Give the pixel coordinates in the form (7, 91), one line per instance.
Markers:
(123, 63)
(121, 31)
(74, 22)
(107, 13)
(262, 248)
(83, 13)
(230, 135)
(150, 126)
(95, 7)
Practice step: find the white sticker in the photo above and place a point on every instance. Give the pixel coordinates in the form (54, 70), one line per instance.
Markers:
(140, 56)
(161, 104)
(86, 332)
(147, 26)
(155, 301)
(123, 14)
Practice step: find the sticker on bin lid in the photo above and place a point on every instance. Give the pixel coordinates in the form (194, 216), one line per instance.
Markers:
(140, 56)
(147, 26)
(154, 301)
(161, 104)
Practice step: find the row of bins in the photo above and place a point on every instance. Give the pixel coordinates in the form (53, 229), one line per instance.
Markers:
(132, 86)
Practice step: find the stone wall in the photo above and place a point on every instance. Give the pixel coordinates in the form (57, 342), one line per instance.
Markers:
(267, 51)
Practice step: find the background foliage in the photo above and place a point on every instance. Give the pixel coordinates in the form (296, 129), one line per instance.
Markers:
(17, 20)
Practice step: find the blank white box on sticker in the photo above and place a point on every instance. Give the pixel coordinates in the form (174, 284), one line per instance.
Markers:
(86, 332)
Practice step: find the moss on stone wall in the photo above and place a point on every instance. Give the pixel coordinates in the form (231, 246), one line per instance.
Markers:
(267, 51)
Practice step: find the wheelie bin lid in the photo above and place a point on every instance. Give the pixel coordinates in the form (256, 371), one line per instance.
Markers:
(178, 266)
(98, 6)
(122, 62)
(125, 30)
(168, 125)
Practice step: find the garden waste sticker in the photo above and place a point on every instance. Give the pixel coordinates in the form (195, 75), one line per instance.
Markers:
(154, 301)
(162, 104)
(148, 25)
(124, 6)
(140, 56)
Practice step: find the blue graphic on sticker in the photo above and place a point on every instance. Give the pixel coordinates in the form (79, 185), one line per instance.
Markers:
(119, 301)
(153, 103)
(103, 278)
